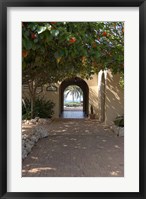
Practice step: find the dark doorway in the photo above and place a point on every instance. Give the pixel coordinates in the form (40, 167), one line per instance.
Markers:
(85, 95)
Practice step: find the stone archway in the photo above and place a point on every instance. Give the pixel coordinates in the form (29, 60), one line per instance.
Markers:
(83, 85)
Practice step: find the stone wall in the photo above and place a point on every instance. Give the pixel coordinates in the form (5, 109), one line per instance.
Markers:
(32, 131)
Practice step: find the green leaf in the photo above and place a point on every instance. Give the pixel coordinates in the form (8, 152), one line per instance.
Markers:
(55, 33)
(61, 58)
(28, 44)
(58, 54)
(35, 40)
(34, 47)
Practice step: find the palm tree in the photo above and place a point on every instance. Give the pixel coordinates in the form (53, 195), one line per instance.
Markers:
(75, 91)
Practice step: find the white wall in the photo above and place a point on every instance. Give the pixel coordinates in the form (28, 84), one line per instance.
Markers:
(114, 100)
(114, 96)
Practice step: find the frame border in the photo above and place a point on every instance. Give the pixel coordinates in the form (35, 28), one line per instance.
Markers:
(4, 4)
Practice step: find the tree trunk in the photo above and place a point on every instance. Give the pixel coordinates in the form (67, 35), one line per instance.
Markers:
(32, 91)
(73, 97)
(32, 106)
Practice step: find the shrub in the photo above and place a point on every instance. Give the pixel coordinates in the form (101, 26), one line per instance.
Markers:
(119, 121)
(26, 109)
(42, 108)
(72, 104)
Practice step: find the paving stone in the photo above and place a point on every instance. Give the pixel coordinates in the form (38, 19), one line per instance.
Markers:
(76, 148)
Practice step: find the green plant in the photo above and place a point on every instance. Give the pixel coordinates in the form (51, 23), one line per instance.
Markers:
(26, 107)
(42, 108)
(121, 82)
(75, 91)
(119, 121)
(72, 104)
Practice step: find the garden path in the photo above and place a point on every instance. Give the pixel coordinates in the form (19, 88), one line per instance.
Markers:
(76, 148)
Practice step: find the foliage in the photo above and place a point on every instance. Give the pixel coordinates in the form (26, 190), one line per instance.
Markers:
(54, 50)
(72, 104)
(43, 108)
(74, 91)
(119, 121)
(122, 80)
(26, 109)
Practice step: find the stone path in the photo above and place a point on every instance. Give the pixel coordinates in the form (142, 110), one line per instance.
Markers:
(76, 148)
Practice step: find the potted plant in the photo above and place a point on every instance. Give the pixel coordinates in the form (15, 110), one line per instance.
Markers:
(92, 114)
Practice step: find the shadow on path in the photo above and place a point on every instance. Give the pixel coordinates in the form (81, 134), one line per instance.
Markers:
(76, 148)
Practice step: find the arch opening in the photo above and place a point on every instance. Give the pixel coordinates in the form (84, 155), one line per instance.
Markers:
(82, 91)
(73, 98)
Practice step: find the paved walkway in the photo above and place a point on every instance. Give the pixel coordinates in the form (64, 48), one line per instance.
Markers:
(73, 114)
(76, 148)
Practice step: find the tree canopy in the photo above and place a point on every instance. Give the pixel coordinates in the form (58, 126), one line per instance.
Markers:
(52, 51)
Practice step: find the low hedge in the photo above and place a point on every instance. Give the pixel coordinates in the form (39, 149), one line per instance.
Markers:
(119, 121)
